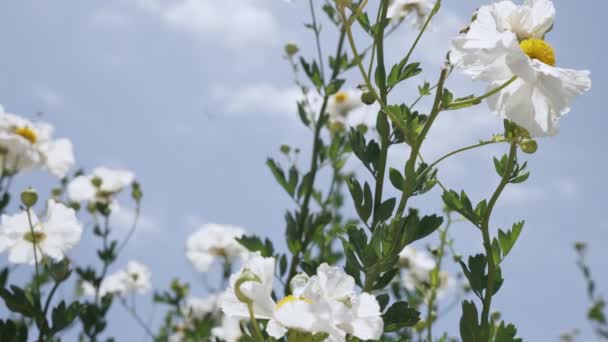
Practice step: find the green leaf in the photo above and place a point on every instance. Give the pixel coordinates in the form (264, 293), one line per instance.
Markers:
(507, 240)
(334, 86)
(279, 175)
(63, 317)
(255, 244)
(13, 331)
(385, 210)
(383, 300)
(470, 329)
(399, 316)
(396, 179)
(18, 301)
(506, 333)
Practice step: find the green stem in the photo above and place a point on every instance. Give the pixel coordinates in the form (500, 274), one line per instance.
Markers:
(385, 138)
(410, 165)
(487, 243)
(138, 319)
(430, 317)
(132, 230)
(434, 11)
(304, 208)
(254, 323)
(366, 78)
(317, 38)
(464, 149)
(50, 297)
(34, 243)
(477, 100)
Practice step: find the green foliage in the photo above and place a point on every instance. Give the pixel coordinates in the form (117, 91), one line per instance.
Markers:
(399, 316)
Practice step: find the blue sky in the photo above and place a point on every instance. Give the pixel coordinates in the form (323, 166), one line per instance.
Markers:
(194, 95)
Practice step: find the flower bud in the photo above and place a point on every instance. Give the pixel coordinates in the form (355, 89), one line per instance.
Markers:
(336, 126)
(528, 146)
(96, 181)
(291, 49)
(29, 197)
(246, 276)
(60, 271)
(368, 98)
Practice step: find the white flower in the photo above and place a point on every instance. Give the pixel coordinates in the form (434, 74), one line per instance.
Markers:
(259, 292)
(29, 145)
(213, 241)
(59, 232)
(337, 308)
(342, 103)
(198, 308)
(100, 186)
(324, 303)
(505, 40)
(401, 9)
(229, 330)
(134, 278)
(418, 266)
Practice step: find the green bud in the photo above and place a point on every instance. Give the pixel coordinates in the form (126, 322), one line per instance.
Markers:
(285, 149)
(180, 290)
(291, 49)
(60, 271)
(362, 128)
(336, 126)
(56, 192)
(96, 181)
(246, 276)
(29, 197)
(368, 98)
(529, 146)
(496, 316)
(136, 192)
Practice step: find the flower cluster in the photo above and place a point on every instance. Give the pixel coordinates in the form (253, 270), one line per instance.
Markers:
(324, 303)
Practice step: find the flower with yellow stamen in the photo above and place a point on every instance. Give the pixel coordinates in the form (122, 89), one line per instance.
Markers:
(505, 44)
(27, 133)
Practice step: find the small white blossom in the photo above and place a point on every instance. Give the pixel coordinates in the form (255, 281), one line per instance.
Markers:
(99, 186)
(418, 10)
(134, 278)
(506, 40)
(26, 145)
(214, 241)
(53, 237)
(418, 266)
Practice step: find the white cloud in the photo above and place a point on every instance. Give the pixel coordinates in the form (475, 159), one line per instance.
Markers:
(261, 98)
(235, 23)
(124, 217)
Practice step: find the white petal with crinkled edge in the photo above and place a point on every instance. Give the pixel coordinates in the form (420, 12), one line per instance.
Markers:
(81, 189)
(533, 19)
(59, 156)
(275, 329)
(260, 293)
(541, 95)
(367, 323)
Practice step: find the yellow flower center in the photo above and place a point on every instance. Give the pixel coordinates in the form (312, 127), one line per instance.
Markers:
(290, 299)
(34, 238)
(341, 97)
(538, 49)
(27, 133)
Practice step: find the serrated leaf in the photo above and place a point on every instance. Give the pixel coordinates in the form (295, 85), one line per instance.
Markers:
(399, 316)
